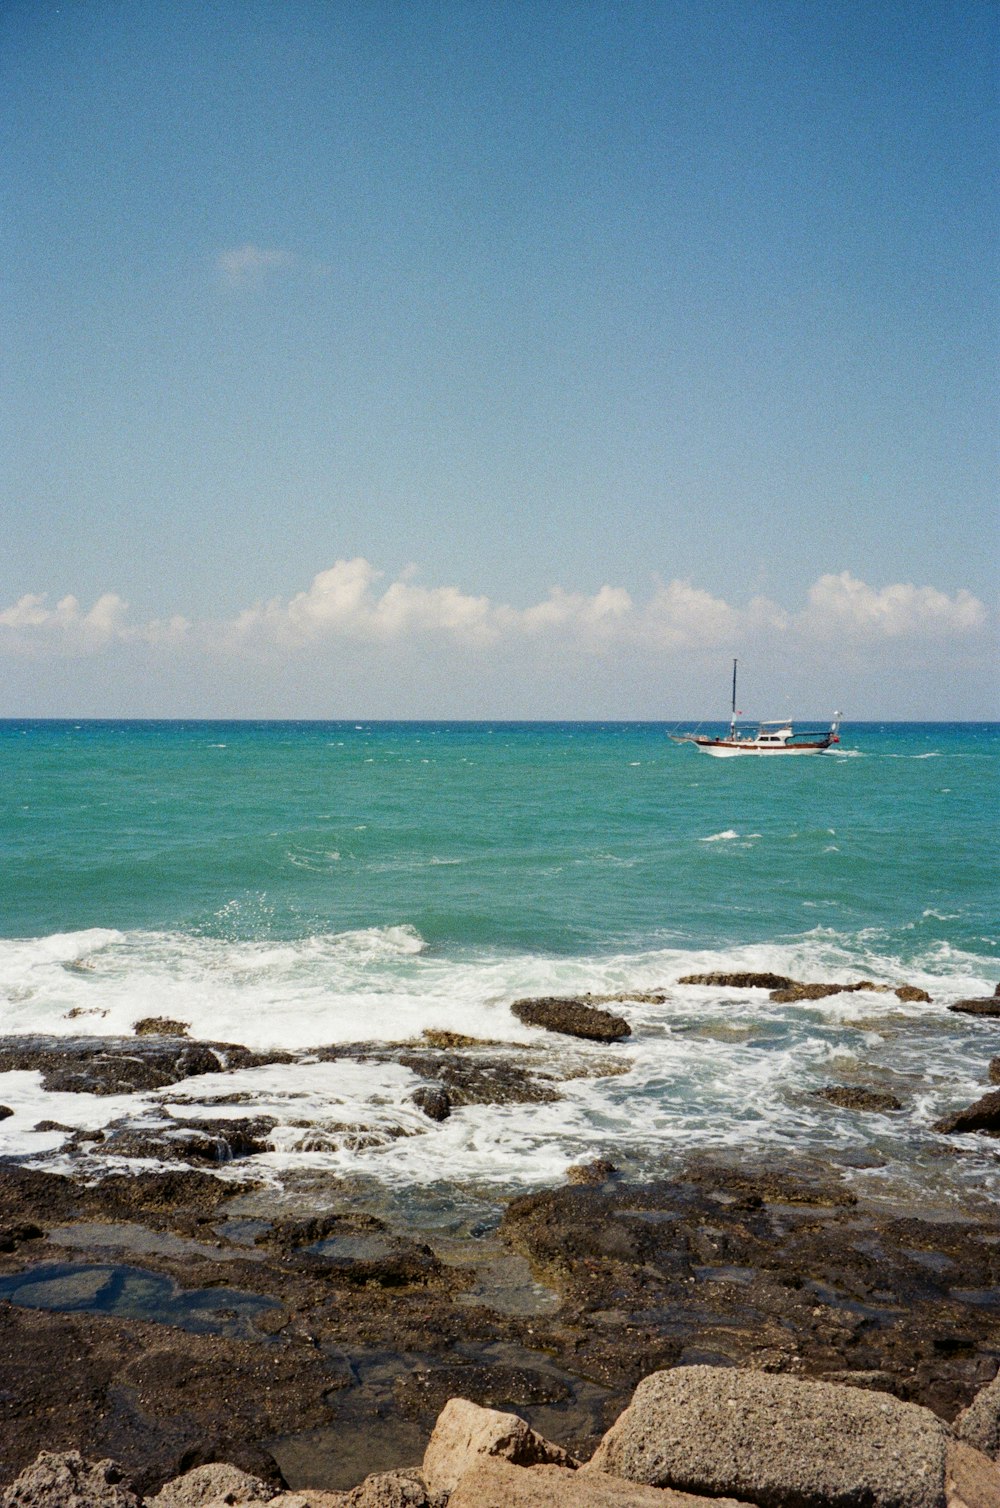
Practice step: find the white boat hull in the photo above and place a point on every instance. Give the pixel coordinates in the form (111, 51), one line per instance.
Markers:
(735, 751)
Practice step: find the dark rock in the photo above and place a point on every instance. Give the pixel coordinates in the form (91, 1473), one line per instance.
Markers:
(987, 1006)
(11, 1236)
(65, 1480)
(852, 1097)
(993, 1072)
(434, 1101)
(479, 1081)
(910, 992)
(160, 1026)
(113, 1065)
(573, 1017)
(983, 1116)
(197, 1141)
(5, 1110)
(488, 1386)
(745, 981)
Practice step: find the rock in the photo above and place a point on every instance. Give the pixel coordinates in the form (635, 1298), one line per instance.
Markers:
(910, 992)
(160, 1026)
(65, 1480)
(496, 1484)
(11, 1236)
(744, 981)
(490, 1387)
(983, 1116)
(591, 1173)
(193, 1141)
(989, 1006)
(464, 1432)
(218, 1482)
(979, 1424)
(478, 1081)
(852, 1097)
(993, 1072)
(5, 1111)
(573, 1018)
(434, 1101)
(778, 1441)
(972, 1480)
(390, 1489)
(113, 1065)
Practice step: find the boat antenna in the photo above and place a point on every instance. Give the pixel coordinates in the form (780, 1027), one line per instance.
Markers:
(732, 721)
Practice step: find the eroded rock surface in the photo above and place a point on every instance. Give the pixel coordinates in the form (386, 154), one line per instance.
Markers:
(573, 1017)
(780, 1442)
(63, 1479)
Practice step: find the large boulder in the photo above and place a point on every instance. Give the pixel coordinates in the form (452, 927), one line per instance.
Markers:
(63, 1479)
(979, 1424)
(464, 1432)
(778, 1441)
(573, 1017)
(490, 1483)
(984, 1116)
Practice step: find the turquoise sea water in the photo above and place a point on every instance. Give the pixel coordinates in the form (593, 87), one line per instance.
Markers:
(300, 883)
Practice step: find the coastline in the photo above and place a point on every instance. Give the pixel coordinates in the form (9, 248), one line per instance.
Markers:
(344, 1315)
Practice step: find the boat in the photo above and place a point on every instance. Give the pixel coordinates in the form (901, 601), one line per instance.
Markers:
(776, 737)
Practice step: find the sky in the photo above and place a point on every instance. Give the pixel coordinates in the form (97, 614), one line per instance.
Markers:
(486, 359)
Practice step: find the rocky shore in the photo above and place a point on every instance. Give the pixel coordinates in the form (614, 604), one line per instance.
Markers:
(690, 1436)
(165, 1306)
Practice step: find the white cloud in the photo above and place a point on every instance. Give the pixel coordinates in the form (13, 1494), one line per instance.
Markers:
(897, 611)
(248, 265)
(351, 602)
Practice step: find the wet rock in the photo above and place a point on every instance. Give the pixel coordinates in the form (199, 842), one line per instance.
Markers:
(743, 981)
(434, 1101)
(193, 1141)
(986, 1006)
(5, 1111)
(448, 1041)
(778, 1441)
(161, 1026)
(11, 1236)
(218, 1481)
(572, 1017)
(65, 1480)
(380, 1260)
(852, 1097)
(114, 1065)
(591, 1173)
(487, 1386)
(465, 1432)
(480, 1081)
(993, 1072)
(983, 1116)
(911, 993)
(979, 1424)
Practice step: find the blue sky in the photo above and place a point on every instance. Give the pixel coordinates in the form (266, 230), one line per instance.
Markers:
(488, 359)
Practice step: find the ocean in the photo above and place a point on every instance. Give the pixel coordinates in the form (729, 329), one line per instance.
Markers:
(303, 884)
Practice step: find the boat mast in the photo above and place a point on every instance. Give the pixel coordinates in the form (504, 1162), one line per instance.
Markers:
(732, 721)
